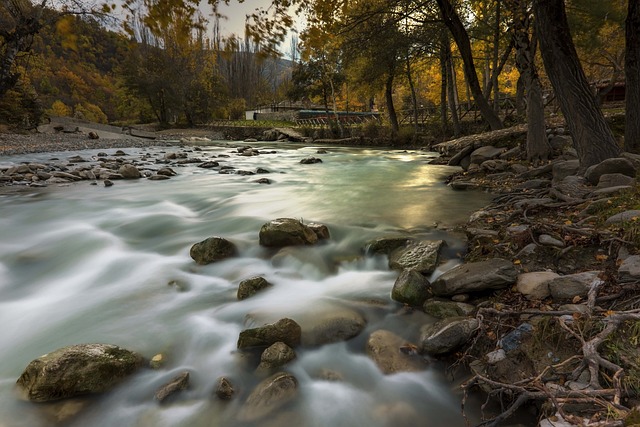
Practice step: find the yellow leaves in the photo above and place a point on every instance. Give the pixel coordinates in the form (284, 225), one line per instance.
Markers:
(601, 257)
(609, 313)
(576, 299)
(517, 262)
(64, 28)
(568, 222)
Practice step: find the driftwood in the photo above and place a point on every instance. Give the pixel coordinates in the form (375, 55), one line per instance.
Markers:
(496, 137)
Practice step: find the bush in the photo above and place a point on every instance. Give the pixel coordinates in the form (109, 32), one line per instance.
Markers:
(21, 108)
(237, 108)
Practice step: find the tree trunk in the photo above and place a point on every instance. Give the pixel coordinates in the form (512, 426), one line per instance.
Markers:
(592, 138)
(453, 22)
(632, 73)
(443, 86)
(414, 100)
(451, 87)
(537, 146)
(391, 110)
(496, 53)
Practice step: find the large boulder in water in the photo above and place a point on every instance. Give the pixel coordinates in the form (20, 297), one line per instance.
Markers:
(211, 250)
(77, 370)
(284, 330)
(422, 256)
(480, 276)
(268, 396)
(286, 232)
(411, 288)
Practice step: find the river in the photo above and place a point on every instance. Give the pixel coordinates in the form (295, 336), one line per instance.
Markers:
(83, 264)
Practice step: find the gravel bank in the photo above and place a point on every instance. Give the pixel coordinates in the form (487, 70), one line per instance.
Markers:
(14, 144)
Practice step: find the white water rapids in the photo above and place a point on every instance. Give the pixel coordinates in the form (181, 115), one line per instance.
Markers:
(90, 264)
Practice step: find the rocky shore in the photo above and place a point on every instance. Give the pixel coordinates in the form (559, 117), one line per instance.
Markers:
(543, 311)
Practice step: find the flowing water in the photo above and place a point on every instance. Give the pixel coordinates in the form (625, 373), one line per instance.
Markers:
(84, 264)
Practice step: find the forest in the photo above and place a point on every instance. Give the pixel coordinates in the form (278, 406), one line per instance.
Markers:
(167, 62)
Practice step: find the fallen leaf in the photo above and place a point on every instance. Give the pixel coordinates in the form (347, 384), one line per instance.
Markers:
(576, 299)
(517, 262)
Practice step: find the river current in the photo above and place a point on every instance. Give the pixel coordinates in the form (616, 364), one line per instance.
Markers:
(91, 264)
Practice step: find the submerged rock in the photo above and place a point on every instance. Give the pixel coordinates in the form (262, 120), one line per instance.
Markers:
(178, 383)
(268, 396)
(331, 325)
(77, 370)
(286, 232)
(211, 250)
(393, 354)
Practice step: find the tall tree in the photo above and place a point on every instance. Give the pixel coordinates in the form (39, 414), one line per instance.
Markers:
(537, 146)
(592, 137)
(632, 74)
(454, 24)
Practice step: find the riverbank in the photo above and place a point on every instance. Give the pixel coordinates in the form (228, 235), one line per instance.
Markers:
(560, 337)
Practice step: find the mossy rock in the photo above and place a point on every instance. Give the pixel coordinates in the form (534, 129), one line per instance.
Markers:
(77, 370)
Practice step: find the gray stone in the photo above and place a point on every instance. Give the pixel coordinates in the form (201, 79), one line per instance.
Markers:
(514, 338)
(422, 256)
(615, 180)
(532, 203)
(633, 158)
(547, 240)
(566, 288)
(224, 389)
(442, 309)
(535, 285)
(166, 172)
(328, 325)
(321, 230)
(177, 384)
(572, 186)
(286, 232)
(512, 154)
(275, 356)
(563, 169)
(447, 335)
(611, 191)
(411, 288)
(482, 154)
(560, 143)
(386, 245)
(158, 178)
(77, 370)
(129, 171)
(393, 354)
(284, 330)
(475, 277)
(310, 160)
(625, 216)
(211, 250)
(252, 286)
(534, 184)
(271, 394)
(615, 165)
(629, 270)
(494, 165)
